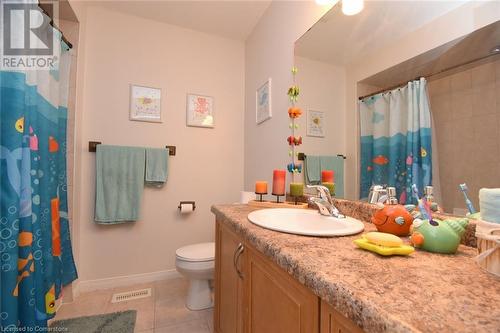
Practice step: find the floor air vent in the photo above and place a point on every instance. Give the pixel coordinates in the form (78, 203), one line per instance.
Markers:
(130, 295)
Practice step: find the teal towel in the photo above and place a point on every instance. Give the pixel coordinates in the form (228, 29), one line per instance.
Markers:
(119, 183)
(312, 170)
(335, 163)
(156, 166)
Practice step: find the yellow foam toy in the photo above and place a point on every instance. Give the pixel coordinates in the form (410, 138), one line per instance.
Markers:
(383, 244)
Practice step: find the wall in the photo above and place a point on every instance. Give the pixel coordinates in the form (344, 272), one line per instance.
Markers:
(461, 21)
(322, 88)
(120, 50)
(269, 54)
(466, 112)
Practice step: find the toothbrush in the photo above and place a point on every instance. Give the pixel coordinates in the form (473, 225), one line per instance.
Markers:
(423, 206)
(463, 187)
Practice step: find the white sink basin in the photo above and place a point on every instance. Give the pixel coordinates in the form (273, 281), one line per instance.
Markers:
(305, 222)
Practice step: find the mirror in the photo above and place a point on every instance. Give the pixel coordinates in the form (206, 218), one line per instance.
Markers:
(364, 73)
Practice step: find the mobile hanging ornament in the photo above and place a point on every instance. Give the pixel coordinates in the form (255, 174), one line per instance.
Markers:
(294, 141)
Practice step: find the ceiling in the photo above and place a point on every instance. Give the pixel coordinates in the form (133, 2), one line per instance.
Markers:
(231, 19)
(471, 50)
(339, 39)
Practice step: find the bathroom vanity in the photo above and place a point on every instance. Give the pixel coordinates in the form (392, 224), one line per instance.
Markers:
(267, 281)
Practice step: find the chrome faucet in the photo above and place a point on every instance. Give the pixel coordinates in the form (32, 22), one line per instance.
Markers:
(324, 202)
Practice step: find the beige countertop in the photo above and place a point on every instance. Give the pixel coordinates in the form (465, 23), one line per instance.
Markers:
(424, 292)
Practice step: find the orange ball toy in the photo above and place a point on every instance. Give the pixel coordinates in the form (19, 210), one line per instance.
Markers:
(393, 219)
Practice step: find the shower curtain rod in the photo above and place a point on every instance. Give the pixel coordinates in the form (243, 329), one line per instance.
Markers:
(402, 84)
(56, 27)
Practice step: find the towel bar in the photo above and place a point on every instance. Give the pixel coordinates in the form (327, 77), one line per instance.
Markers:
(301, 156)
(93, 144)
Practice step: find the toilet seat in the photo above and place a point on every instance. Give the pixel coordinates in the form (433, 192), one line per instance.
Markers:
(197, 252)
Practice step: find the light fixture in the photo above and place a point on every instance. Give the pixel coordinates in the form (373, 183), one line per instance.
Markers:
(352, 7)
(495, 50)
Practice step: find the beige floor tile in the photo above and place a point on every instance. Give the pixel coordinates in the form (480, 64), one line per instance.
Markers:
(194, 326)
(174, 288)
(209, 317)
(164, 311)
(173, 311)
(87, 304)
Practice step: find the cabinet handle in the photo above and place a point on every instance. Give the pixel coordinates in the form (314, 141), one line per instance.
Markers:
(236, 257)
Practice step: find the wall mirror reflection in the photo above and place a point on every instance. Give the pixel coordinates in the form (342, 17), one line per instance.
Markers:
(416, 111)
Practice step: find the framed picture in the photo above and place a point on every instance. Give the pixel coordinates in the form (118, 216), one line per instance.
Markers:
(263, 102)
(315, 123)
(200, 111)
(145, 104)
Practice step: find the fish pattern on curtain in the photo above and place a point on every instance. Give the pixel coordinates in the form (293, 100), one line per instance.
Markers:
(396, 140)
(35, 245)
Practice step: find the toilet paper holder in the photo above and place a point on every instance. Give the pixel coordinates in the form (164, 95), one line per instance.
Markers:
(187, 203)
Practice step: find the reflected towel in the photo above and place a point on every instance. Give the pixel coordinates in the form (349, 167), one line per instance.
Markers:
(489, 202)
(335, 163)
(312, 170)
(156, 166)
(119, 183)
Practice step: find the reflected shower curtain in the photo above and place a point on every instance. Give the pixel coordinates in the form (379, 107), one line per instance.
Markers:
(36, 257)
(396, 140)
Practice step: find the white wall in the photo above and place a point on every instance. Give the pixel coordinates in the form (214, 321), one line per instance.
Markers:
(322, 88)
(452, 25)
(269, 54)
(120, 50)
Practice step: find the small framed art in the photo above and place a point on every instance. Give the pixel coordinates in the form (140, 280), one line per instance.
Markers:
(145, 104)
(315, 123)
(263, 102)
(200, 111)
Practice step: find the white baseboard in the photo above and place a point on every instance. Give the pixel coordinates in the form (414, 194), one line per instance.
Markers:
(123, 281)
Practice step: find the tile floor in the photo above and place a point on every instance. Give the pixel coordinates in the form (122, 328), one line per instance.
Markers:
(163, 312)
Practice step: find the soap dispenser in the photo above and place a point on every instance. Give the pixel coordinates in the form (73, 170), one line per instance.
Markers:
(391, 217)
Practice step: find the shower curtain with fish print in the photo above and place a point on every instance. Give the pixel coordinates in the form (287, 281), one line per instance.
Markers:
(36, 257)
(396, 140)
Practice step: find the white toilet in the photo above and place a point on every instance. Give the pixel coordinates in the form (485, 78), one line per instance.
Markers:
(196, 262)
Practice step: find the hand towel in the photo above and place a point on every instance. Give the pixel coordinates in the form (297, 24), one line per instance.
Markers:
(489, 202)
(312, 170)
(335, 163)
(119, 183)
(156, 166)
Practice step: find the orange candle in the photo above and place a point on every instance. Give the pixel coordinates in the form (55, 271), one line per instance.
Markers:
(261, 187)
(327, 176)
(279, 182)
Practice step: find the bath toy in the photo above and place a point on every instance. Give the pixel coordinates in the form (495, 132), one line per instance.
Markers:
(440, 236)
(384, 244)
(393, 219)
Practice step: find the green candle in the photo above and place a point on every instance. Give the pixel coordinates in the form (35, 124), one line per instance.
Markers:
(296, 189)
(330, 187)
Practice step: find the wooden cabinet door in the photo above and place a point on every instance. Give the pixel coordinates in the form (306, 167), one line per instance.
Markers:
(228, 317)
(274, 301)
(334, 322)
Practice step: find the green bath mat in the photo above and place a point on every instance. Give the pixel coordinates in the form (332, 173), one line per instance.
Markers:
(116, 322)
